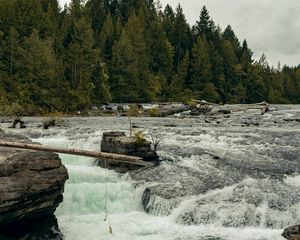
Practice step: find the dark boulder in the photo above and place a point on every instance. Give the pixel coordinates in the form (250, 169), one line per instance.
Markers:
(17, 121)
(224, 111)
(292, 233)
(195, 112)
(117, 142)
(49, 123)
(31, 185)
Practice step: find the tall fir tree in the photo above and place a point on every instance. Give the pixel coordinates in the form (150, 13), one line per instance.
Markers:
(181, 38)
(201, 69)
(124, 71)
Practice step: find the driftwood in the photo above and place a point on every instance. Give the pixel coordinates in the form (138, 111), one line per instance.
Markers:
(109, 156)
(203, 102)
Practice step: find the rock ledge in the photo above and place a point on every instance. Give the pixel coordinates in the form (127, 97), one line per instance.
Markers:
(31, 184)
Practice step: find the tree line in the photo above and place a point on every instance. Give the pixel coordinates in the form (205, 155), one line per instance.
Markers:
(98, 51)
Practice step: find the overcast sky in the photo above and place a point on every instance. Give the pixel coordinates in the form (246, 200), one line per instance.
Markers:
(270, 26)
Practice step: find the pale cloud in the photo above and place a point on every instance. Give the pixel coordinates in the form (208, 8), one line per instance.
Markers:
(270, 26)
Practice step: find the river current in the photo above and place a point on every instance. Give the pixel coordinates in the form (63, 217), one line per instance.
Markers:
(239, 178)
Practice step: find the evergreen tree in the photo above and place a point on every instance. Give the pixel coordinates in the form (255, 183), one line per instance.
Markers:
(168, 20)
(107, 37)
(178, 89)
(201, 69)
(99, 78)
(181, 38)
(205, 26)
(39, 75)
(81, 60)
(229, 35)
(124, 75)
(135, 29)
(96, 11)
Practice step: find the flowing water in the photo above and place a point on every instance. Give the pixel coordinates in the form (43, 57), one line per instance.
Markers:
(219, 180)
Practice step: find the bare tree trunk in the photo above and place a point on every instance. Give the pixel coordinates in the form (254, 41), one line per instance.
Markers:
(109, 156)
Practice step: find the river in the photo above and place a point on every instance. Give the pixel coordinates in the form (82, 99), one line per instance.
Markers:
(221, 178)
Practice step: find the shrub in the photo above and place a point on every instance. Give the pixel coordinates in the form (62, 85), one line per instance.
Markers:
(139, 137)
(134, 111)
(153, 112)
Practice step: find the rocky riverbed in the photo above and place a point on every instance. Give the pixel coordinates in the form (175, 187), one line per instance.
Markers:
(222, 176)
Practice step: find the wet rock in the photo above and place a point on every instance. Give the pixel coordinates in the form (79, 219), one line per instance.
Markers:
(120, 108)
(31, 184)
(17, 121)
(170, 125)
(292, 233)
(195, 112)
(291, 119)
(49, 123)
(169, 109)
(117, 142)
(36, 229)
(224, 111)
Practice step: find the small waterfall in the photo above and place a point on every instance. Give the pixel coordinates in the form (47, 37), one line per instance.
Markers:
(88, 188)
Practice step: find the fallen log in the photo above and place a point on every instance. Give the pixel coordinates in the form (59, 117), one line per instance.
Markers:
(94, 154)
(203, 102)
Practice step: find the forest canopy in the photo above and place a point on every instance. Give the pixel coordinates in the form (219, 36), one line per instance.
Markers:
(98, 51)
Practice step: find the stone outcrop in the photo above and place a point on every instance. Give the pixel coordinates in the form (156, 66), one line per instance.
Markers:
(117, 142)
(292, 233)
(49, 123)
(31, 185)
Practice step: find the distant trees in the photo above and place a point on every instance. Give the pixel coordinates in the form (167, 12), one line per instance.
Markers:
(98, 51)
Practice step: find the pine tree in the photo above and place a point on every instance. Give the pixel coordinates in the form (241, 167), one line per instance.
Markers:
(135, 28)
(124, 71)
(39, 75)
(181, 38)
(81, 59)
(168, 21)
(178, 84)
(201, 69)
(96, 11)
(256, 90)
(107, 37)
(205, 26)
(28, 15)
(229, 35)
(99, 78)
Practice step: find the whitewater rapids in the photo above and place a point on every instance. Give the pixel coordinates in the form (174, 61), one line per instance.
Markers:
(193, 145)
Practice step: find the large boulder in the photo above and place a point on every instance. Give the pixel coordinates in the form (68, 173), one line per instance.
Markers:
(118, 143)
(31, 184)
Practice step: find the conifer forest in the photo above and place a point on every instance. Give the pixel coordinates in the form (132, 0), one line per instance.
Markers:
(99, 51)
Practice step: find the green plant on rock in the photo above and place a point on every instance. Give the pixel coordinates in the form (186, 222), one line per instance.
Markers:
(140, 137)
